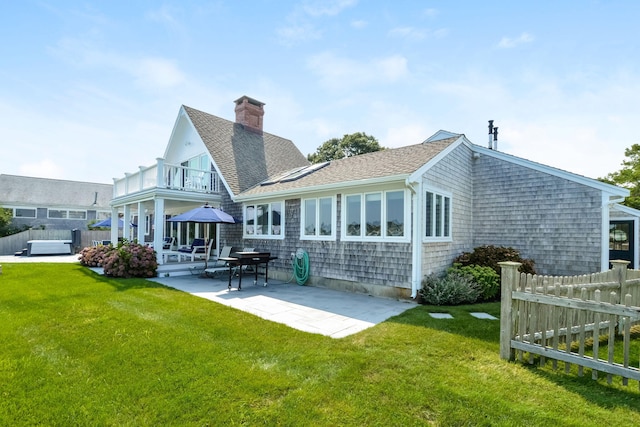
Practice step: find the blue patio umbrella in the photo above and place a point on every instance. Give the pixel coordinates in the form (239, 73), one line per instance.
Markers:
(204, 215)
(107, 223)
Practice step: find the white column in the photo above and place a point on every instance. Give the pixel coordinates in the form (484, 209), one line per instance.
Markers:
(114, 226)
(126, 232)
(158, 228)
(141, 222)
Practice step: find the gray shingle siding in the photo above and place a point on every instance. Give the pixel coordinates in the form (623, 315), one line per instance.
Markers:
(452, 174)
(554, 221)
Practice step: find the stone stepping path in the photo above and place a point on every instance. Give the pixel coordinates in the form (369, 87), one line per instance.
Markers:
(476, 315)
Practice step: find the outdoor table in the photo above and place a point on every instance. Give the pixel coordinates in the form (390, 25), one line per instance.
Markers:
(237, 260)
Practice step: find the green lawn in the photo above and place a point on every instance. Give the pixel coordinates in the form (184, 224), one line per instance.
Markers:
(81, 349)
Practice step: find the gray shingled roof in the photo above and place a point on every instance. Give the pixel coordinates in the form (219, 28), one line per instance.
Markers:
(399, 162)
(244, 157)
(29, 191)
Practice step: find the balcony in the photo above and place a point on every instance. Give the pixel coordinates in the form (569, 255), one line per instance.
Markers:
(167, 176)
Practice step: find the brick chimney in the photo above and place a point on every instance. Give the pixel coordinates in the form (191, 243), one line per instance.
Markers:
(249, 113)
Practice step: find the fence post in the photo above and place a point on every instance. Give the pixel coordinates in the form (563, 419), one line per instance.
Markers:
(620, 267)
(509, 281)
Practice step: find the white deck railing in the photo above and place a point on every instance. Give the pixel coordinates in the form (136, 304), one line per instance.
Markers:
(163, 175)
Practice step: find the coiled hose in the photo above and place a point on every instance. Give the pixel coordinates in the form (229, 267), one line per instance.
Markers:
(300, 263)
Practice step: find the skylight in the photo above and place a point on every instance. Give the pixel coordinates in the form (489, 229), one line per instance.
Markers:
(295, 174)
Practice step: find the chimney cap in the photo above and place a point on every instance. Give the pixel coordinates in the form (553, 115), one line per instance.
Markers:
(249, 100)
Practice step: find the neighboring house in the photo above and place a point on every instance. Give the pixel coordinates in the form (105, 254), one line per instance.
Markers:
(375, 223)
(54, 204)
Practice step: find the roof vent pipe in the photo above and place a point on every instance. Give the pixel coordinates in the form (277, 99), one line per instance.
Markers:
(495, 138)
(490, 134)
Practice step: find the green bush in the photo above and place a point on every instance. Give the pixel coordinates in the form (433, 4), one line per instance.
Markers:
(449, 289)
(486, 278)
(490, 256)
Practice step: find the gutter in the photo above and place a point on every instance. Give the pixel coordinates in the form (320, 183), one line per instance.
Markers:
(416, 240)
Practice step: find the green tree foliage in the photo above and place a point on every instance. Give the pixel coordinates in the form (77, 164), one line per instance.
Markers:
(349, 145)
(629, 176)
(5, 221)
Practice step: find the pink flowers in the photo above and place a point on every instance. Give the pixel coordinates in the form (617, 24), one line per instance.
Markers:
(128, 259)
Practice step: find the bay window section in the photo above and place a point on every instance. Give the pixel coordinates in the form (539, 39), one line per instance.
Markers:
(263, 220)
(437, 216)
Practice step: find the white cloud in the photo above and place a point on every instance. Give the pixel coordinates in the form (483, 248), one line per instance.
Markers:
(359, 24)
(408, 33)
(508, 42)
(339, 72)
(45, 168)
(327, 7)
(297, 33)
(157, 72)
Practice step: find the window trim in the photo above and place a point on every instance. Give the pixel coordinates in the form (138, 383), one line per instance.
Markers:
(13, 213)
(245, 218)
(66, 214)
(318, 236)
(383, 237)
(444, 218)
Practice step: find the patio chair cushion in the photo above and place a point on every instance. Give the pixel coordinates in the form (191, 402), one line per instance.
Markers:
(196, 242)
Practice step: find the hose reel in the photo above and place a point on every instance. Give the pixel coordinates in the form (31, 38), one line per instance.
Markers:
(300, 262)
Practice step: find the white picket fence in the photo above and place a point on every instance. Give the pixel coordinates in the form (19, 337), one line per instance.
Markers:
(565, 318)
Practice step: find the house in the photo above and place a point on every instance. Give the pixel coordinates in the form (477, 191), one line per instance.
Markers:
(375, 223)
(54, 204)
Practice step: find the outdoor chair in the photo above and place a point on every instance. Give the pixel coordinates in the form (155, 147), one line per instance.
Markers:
(219, 266)
(199, 249)
(168, 243)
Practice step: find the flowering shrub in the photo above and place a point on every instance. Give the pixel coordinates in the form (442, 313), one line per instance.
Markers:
(130, 260)
(93, 256)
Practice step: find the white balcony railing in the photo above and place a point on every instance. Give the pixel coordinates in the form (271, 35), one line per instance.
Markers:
(163, 175)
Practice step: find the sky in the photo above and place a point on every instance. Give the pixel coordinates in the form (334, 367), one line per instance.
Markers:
(90, 90)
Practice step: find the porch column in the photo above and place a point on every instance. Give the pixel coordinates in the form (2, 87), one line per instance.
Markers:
(126, 228)
(158, 228)
(142, 222)
(114, 226)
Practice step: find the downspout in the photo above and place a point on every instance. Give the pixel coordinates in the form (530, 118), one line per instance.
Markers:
(416, 240)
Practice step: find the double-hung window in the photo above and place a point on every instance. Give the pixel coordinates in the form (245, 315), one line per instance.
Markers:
(264, 221)
(318, 219)
(375, 216)
(437, 209)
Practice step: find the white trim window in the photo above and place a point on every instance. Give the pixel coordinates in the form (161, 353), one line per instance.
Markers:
(437, 216)
(318, 219)
(25, 212)
(378, 215)
(264, 221)
(66, 214)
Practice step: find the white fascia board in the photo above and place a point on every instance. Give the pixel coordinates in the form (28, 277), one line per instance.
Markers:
(299, 192)
(441, 134)
(182, 113)
(626, 209)
(417, 175)
(589, 182)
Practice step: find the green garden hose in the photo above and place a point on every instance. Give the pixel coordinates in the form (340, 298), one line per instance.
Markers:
(300, 263)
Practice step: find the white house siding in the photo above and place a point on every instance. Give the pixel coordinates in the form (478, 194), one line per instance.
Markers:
(452, 174)
(554, 221)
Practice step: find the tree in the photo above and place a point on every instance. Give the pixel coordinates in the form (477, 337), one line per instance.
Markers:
(5, 221)
(349, 145)
(629, 176)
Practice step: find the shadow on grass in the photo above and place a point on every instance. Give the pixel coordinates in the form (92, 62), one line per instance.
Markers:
(121, 284)
(597, 392)
(462, 322)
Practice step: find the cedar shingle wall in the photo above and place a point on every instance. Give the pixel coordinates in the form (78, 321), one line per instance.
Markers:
(452, 174)
(554, 221)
